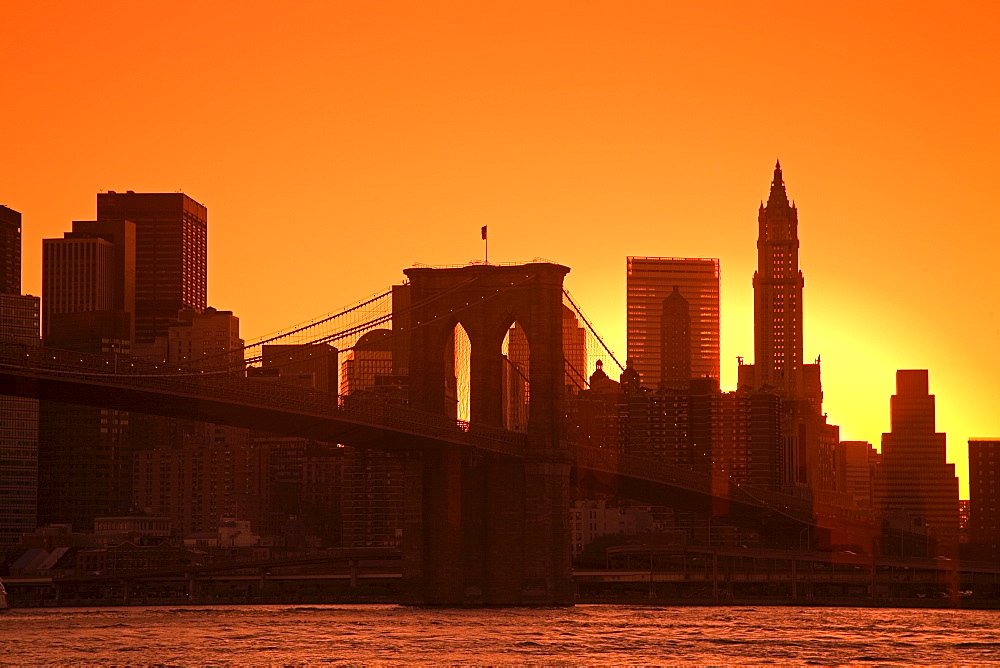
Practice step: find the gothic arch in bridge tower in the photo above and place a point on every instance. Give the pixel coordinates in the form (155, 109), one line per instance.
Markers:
(486, 300)
(458, 386)
(516, 378)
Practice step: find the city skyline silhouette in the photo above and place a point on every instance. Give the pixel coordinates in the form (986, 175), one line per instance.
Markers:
(580, 134)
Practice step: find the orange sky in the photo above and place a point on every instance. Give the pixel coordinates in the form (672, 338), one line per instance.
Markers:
(336, 143)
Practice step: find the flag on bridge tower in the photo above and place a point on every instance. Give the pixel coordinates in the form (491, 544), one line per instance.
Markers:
(484, 233)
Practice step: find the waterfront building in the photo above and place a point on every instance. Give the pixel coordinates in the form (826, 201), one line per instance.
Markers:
(592, 519)
(200, 480)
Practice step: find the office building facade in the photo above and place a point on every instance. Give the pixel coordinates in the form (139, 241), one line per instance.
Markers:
(913, 476)
(10, 251)
(984, 497)
(85, 454)
(88, 283)
(658, 334)
(171, 256)
(19, 324)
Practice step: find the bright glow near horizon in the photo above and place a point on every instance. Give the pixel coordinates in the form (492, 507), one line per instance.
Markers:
(337, 143)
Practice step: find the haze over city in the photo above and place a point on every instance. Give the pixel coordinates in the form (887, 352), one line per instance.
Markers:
(337, 144)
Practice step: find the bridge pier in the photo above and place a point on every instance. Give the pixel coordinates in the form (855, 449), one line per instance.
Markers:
(547, 534)
(442, 519)
(505, 527)
(493, 533)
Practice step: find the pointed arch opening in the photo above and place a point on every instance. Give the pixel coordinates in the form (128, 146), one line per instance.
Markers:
(516, 378)
(458, 377)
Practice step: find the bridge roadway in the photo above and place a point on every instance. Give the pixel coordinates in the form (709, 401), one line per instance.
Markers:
(118, 382)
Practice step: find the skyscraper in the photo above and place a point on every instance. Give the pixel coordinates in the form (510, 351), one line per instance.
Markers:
(777, 288)
(10, 251)
(371, 497)
(85, 455)
(913, 476)
(809, 458)
(171, 256)
(650, 316)
(18, 417)
(88, 283)
(984, 497)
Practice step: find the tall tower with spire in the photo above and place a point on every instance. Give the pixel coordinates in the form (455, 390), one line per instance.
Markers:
(808, 460)
(777, 287)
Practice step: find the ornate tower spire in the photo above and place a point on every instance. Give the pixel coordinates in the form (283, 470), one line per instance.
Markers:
(778, 197)
(778, 293)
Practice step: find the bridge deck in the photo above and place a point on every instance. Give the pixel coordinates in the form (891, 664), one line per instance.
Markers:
(124, 383)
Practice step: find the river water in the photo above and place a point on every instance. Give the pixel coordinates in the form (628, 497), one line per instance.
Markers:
(585, 634)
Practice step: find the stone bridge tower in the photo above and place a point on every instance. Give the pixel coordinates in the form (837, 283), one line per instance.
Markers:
(488, 530)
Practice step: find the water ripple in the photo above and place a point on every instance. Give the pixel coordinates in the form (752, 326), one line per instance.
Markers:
(585, 635)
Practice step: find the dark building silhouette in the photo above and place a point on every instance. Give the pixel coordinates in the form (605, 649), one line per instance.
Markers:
(777, 287)
(171, 256)
(675, 342)
(314, 366)
(200, 474)
(303, 476)
(10, 251)
(651, 280)
(167, 283)
(202, 479)
(984, 497)
(85, 453)
(19, 324)
(857, 462)
(913, 476)
(88, 287)
(205, 339)
(735, 435)
(808, 460)
(371, 484)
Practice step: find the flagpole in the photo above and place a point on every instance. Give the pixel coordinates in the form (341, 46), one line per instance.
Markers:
(487, 240)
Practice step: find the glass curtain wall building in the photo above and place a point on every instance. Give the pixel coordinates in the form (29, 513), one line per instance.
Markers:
(654, 321)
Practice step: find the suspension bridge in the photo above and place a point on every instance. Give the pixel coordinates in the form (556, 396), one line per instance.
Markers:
(464, 371)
